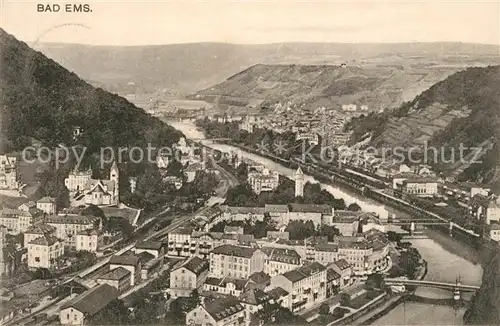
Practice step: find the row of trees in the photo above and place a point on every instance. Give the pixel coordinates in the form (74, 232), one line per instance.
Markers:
(242, 195)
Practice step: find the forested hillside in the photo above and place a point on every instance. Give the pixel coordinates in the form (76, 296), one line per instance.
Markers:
(485, 305)
(42, 100)
(462, 109)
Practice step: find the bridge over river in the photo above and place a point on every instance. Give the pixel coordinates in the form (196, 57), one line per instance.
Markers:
(433, 284)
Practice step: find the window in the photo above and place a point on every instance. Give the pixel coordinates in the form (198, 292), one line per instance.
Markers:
(67, 316)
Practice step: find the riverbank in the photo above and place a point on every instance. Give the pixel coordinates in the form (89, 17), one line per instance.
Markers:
(446, 256)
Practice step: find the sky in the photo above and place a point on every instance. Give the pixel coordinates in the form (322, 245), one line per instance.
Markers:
(137, 22)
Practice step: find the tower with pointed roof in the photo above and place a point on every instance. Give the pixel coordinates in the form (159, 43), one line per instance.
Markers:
(299, 183)
(114, 175)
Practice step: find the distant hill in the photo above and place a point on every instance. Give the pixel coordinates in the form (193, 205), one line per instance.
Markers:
(311, 86)
(462, 109)
(189, 68)
(42, 100)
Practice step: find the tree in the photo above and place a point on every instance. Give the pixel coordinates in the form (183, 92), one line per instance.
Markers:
(115, 313)
(354, 207)
(93, 210)
(345, 299)
(324, 309)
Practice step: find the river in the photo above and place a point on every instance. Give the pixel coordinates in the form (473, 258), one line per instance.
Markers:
(443, 265)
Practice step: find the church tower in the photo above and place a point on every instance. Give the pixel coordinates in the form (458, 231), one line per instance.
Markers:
(114, 175)
(299, 183)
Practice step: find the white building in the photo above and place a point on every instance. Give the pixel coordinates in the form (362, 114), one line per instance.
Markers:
(236, 261)
(263, 181)
(89, 240)
(79, 310)
(189, 276)
(299, 183)
(306, 286)
(44, 251)
(8, 172)
(130, 263)
(219, 312)
(94, 191)
(67, 226)
(47, 205)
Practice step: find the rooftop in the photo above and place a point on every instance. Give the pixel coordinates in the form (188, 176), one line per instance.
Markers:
(270, 208)
(254, 297)
(116, 274)
(46, 200)
(260, 278)
(149, 245)
(224, 307)
(128, 260)
(71, 219)
(94, 300)
(45, 240)
(232, 250)
(277, 293)
(310, 208)
(41, 229)
(282, 255)
(304, 272)
(196, 265)
(239, 284)
(332, 275)
(342, 264)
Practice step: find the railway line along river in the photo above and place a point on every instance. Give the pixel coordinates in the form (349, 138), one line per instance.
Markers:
(447, 259)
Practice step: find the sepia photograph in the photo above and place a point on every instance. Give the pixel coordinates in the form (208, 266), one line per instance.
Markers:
(249, 162)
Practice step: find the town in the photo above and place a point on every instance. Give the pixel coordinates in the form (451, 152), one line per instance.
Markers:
(249, 164)
(298, 256)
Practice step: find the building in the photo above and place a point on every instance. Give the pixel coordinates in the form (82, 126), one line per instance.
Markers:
(226, 311)
(325, 253)
(131, 263)
(3, 244)
(8, 172)
(264, 180)
(155, 248)
(254, 299)
(89, 240)
(68, 225)
(179, 241)
(306, 286)
(225, 285)
(17, 221)
(310, 137)
(28, 215)
(47, 205)
(243, 213)
(333, 280)
(485, 208)
(299, 183)
(318, 214)
(236, 261)
(94, 191)
(37, 231)
(119, 278)
(83, 307)
(259, 280)
(188, 277)
(347, 222)
(280, 260)
(348, 107)
(421, 187)
(44, 251)
(191, 171)
(345, 270)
